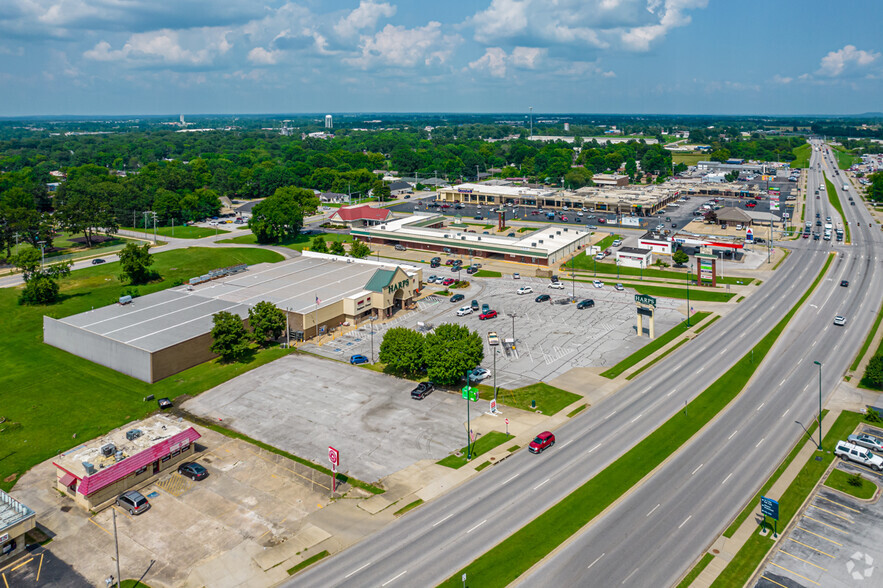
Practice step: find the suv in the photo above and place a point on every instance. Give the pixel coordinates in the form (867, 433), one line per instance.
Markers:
(542, 442)
(133, 501)
(485, 308)
(422, 390)
(400, 247)
(858, 454)
(587, 303)
(556, 285)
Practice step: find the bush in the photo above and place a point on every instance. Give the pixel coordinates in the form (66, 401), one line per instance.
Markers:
(229, 338)
(39, 290)
(873, 377)
(872, 416)
(855, 480)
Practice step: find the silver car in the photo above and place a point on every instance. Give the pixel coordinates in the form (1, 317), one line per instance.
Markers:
(868, 441)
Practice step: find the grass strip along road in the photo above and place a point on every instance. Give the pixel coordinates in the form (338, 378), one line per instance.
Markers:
(520, 551)
(868, 340)
(835, 202)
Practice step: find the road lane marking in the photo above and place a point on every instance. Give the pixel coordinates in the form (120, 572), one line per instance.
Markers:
(838, 504)
(447, 517)
(793, 572)
(700, 370)
(636, 418)
(506, 482)
(784, 413)
(831, 513)
(566, 444)
(810, 547)
(782, 383)
(594, 448)
(541, 483)
(596, 561)
(629, 576)
(806, 516)
(759, 442)
(483, 522)
(394, 579)
(803, 560)
(727, 478)
(732, 434)
(697, 469)
(357, 571)
(610, 415)
(652, 510)
(685, 521)
(761, 405)
(670, 393)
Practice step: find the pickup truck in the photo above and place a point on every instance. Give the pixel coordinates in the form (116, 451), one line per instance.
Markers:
(859, 455)
(492, 338)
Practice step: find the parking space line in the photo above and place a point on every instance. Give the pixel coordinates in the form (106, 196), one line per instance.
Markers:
(803, 560)
(25, 562)
(795, 573)
(40, 567)
(838, 504)
(825, 524)
(831, 513)
(91, 520)
(773, 581)
(810, 547)
(4, 581)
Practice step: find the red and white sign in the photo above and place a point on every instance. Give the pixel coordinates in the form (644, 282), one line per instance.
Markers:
(493, 405)
(333, 456)
(749, 235)
(507, 421)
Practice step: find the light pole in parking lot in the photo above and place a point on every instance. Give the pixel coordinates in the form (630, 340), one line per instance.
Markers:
(820, 403)
(512, 314)
(372, 338)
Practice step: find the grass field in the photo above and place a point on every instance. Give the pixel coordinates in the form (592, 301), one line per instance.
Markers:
(481, 445)
(688, 158)
(835, 202)
(802, 155)
(549, 399)
(488, 274)
(606, 242)
(839, 480)
(587, 263)
(184, 231)
(48, 395)
(64, 244)
(299, 243)
(845, 160)
(697, 294)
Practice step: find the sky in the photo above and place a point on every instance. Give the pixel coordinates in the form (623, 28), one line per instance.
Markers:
(129, 57)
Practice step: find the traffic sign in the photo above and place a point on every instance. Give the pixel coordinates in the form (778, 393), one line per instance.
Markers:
(769, 508)
(333, 456)
(507, 421)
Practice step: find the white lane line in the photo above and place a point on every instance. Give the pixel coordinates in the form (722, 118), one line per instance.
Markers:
(670, 393)
(596, 561)
(783, 381)
(636, 418)
(443, 520)
(721, 353)
(759, 407)
(697, 469)
(478, 525)
(594, 448)
(509, 480)
(743, 334)
(610, 415)
(786, 412)
(393, 579)
(814, 343)
(356, 571)
(759, 442)
(699, 371)
(685, 521)
(732, 434)
(541, 483)
(652, 510)
(566, 444)
(629, 576)
(727, 478)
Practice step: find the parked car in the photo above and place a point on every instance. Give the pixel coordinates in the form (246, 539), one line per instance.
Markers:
(617, 242)
(619, 287)
(422, 390)
(542, 298)
(193, 470)
(464, 310)
(516, 276)
(487, 315)
(542, 442)
(840, 321)
(436, 259)
(97, 261)
(858, 454)
(485, 307)
(449, 262)
(524, 290)
(598, 283)
(587, 303)
(134, 502)
(556, 285)
(479, 374)
(457, 297)
(474, 305)
(357, 359)
(866, 440)
(471, 269)
(493, 338)
(448, 282)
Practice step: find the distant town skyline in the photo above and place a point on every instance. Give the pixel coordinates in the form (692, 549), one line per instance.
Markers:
(104, 57)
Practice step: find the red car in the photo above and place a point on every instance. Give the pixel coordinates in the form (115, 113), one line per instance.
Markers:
(487, 315)
(542, 442)
(601, 220)
(750, 204)
(448, 282)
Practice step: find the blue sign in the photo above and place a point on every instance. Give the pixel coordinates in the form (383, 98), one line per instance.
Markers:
(769, 508)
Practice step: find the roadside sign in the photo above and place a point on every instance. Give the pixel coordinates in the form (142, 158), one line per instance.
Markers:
(769, 508)
(333, 456)
(749, 235)
(493, 405)
(644, 299)
(507, 421)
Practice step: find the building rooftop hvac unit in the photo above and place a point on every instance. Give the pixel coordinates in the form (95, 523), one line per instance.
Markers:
(133, 434)
(90, 469)
(108, 449)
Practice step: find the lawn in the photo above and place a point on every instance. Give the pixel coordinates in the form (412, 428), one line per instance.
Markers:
(55, 400)
(308, 562)
(488, 274)
(183, 231)
(653, 346)
(606, 242)
(697, 569)
(697, 294)
(549, 399)
(517, 553)
(839, 480)
(802, 155)
(481, 445)
(299, 243)
(835, 202)
(588, 263)
(845, 159)
(64, 244)
(688, 158)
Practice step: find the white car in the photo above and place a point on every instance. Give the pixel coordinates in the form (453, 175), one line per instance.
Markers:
(840, 321)
(516, 276)
(556, 285)
(598, 283)
(524, 290)
(479, 374)
(619, 288)
(858, 454)
(464, 311)
(579, 214)
(599, 256)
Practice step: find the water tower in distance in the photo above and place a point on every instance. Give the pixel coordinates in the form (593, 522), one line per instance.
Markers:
(328, 123)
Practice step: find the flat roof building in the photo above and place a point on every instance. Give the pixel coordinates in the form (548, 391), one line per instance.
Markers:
(610, 180)
(16, 519)
(634, 257)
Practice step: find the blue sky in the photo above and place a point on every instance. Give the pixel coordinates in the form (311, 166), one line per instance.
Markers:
(115, 57)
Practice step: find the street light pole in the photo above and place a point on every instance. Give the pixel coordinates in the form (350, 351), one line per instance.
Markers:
(689, 279)
(372, 340)
(820, 403)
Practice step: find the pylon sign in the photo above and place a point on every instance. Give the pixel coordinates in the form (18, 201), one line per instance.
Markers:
(749, 235)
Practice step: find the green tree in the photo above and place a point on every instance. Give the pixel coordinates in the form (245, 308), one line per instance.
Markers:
(85, 203)
(402, 351)
(874, 373)
(875, 188)
(281, 216)
(578, 177)
(229, 337)
(267, 322)
(680, 257)
(39, 290)
(381, 190)
(720, 155)
(41, 285)
(135, 262)
(449, 351)
(337, 248)
(732, 176)
(359, 249)
(318, 244)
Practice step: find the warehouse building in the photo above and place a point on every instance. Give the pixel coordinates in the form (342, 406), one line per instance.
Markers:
(95, 473)
(161, 334)
(546, 246)
(16, 519)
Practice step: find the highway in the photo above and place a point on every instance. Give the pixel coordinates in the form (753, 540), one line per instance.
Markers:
(698, 491)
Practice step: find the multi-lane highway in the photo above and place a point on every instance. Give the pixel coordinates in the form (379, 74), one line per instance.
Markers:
(697, 492)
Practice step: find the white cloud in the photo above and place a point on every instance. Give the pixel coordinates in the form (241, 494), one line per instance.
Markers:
(848, 61)
(167, 47)
(260, 56)
(363, 17)
(402, 47)
(527, 57)
(495, 60)
(778, 79)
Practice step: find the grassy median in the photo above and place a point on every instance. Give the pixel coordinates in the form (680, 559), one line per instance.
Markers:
(835, 202)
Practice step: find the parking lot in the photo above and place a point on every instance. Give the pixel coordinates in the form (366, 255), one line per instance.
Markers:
(550, 337)
(303, 404)
(837, 540)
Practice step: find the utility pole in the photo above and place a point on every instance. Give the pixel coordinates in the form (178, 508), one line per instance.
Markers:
(820, 403)
(116, 543)
(689, 279)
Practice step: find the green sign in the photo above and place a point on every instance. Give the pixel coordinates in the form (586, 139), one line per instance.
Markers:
(644, 299)
(470, 392)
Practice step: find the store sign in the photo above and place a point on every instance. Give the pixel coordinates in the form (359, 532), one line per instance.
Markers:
(464, 190)
(644, 299)
(393, 287)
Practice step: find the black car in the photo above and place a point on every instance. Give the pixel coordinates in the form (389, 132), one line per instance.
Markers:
(471, 269)
(474, 305)
(192, 470)
(97, 261)
(422, 390)
(435, 260)
(844, 283)
(543, 298)
(457, 297)
(759, 240)
(588, 303)
(434, 264)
